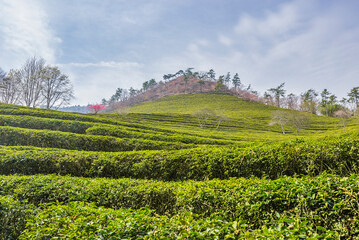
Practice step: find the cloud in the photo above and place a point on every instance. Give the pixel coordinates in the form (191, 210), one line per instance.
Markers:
(225, 40)
(25, 32)
(301, 43)
(94, 81)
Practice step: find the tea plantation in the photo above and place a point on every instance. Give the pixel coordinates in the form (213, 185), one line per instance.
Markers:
(154, 173)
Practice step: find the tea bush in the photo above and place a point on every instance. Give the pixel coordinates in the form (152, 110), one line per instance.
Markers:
(55, 139)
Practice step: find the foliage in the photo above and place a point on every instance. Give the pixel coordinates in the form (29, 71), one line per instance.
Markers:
(13, 216)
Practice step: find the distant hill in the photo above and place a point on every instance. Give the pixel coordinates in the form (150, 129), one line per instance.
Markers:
(182, 85)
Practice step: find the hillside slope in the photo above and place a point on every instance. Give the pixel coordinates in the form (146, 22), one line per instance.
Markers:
(248, 120)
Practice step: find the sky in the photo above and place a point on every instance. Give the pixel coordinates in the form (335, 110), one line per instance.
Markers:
(103, 45)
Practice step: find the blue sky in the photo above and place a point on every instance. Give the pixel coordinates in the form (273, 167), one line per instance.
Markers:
(103, 44)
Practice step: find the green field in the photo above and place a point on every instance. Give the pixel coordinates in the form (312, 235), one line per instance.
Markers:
(154, 173)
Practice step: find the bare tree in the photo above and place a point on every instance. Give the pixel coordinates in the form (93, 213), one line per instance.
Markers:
(299, 120)
(281, 118)
(9, 87)
(206, 114)
(292, 101)
(2, 74)
(203, 116)
(56, 89)
(343, 114)
(31, 81)
(220, 116)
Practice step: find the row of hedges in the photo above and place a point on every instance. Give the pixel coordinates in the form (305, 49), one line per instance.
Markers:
(327, 201)
(338, 155)
(45, 123)
(123, 133)
(78, 220)
(45, 113)
(13, 216)
(54, 139)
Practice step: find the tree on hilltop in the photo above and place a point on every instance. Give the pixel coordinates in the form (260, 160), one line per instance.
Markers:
(227, 79)
(236, 81)
(278, 92)
(212, 75)
(309, 101)
(354, 98)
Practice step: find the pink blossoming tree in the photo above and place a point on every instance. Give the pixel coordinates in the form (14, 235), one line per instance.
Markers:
(95, 108)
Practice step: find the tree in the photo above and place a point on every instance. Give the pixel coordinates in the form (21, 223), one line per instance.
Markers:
(95, 108)
(122, 112)
(227, 79)
(212, 75)
(292, 101)
(343, 114)
(325, 94)
(299, 120)
(185, 79)
(309, 101)
(117, 96)
(132, 91)
(278, 92)
(354, 97)
(203, 116)
(220, 116)
(2, 74)
(10, 87)
(206, 114)
(268, 99)
(281, 118)
(236, 81)
(220, 84)
(201, 83)
(189, 71)
(31, 81)
(56, 89)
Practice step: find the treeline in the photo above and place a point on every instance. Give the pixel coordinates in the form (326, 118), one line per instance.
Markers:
(324, 102)
(35, 84)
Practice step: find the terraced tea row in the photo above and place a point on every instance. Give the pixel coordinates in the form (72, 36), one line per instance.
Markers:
(336, 154)
(12, 136)
(325, 205)
(82, 127)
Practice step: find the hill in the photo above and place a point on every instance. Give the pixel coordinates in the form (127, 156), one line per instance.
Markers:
(155, 173)
(247, 120)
